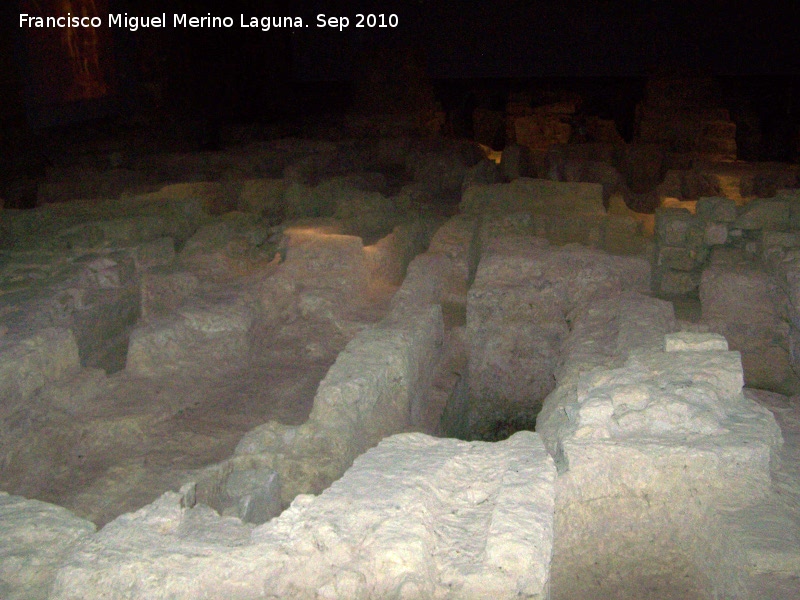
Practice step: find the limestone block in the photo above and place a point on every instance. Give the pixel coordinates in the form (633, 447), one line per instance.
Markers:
(716, 234)
(517, 321)
(198, 337)
(689, 341)
(74, 393)
(264, 197)
(768, 214)
(441, 173)
(623, 235)
(415, 517)
(254, 495)
(35, 538)
(28, 363)
(588, 171)
(165, 289)
(388, 259)
(301, 201)
(678, 258)
(690, 401)
(215, 198)
(365, 213)
(124, 231)
(323, 260)
(235, 244)
(540, 131)
(716, 209)
(457, 239)
(792, 196)
(375, 388)
(775, 244)
(538, 196)
(678, 227)
(424, 283)
(747, 304)
(603, 333)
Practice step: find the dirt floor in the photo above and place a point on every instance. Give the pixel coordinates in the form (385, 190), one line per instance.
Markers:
(130, 439)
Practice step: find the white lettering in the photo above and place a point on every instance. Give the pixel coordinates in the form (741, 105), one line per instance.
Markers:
(339, 23)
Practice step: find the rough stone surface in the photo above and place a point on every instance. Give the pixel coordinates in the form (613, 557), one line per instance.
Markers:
(197, 337)
(457, 239)
(517, 319)
(716, 209)
(35, 537)
(535, 196)
(165, 289)
(665, 442)
(678, 227)
(27, 364)
(769, 214)
(746, 304)
(415, 517)
(687, 340)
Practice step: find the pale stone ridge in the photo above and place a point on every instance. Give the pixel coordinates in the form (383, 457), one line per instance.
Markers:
(35, 537)
(415, 517)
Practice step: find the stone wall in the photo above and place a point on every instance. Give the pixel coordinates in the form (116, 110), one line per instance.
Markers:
(738, 261)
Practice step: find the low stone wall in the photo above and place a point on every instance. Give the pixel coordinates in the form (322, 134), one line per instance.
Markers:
(518, 312)
(372, 390)
(739, 261)
(416, 517)
(763, 228)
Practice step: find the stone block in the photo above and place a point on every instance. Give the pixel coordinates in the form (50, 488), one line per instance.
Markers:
(716, 209)
(215, 198)
(538, 196)
(482, 172)
(254, 495)
(716, 234)
(678, 227)
(516, 322)
(28, 363)
(540, 131)
(623, 235)
(165, 289)
(696, 342)
(748, 306)
(264, 197)
(775, 244)
(35, 539)
(323, 260)
(680, 259)
(457, 239)
(768, 214)
(197, 338)
(233, 245)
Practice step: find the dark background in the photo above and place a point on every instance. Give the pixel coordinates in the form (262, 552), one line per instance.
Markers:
(604, 50)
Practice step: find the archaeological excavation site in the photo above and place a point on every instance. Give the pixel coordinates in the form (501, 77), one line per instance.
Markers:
(394, 334)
